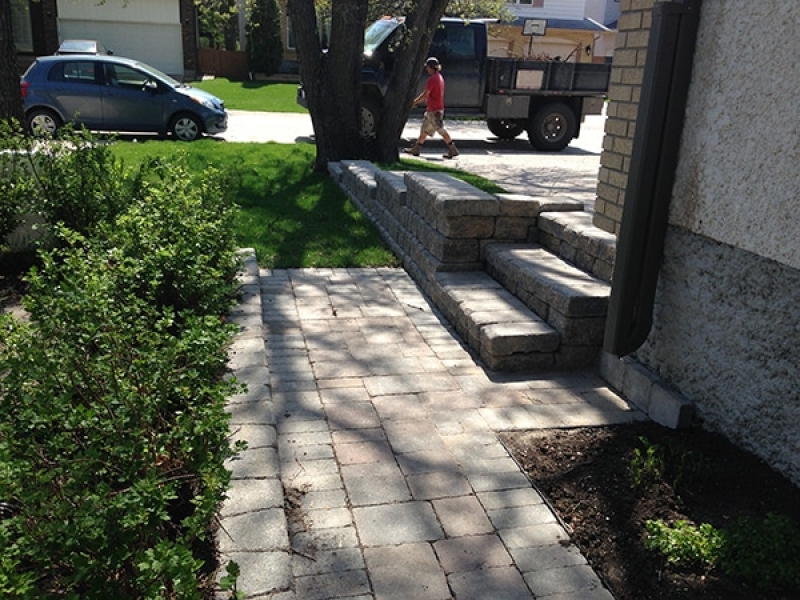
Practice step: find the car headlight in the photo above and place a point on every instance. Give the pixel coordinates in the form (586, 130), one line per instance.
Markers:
(204, 102)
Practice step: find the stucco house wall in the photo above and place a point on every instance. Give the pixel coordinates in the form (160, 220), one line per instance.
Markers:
(727, 317)
(726, 330)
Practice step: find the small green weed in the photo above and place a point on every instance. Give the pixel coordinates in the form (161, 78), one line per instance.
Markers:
(647, 464)
(653, 463)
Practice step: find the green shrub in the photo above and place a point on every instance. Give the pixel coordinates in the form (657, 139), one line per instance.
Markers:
(764, 553)
(73, 180)
(175, 240)
(684, 543)
(113, 435)
(16, 184)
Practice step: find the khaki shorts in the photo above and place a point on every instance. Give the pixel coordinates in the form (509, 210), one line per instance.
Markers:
(433, 122)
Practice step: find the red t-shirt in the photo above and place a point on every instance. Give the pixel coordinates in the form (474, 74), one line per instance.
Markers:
(435, 88)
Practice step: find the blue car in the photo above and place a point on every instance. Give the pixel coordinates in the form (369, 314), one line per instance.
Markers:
(109, 93)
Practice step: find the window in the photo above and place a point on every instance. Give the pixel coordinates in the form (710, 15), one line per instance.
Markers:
(21, 25)
(123, 76)
(290, 43)
(533, 3)
(73, 72)
(454, 42)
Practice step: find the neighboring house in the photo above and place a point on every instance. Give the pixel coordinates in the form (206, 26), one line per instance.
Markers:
(726, 316)
(162, 33)
(577, 30)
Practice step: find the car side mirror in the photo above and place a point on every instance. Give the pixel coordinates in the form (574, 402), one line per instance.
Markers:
(150, 85)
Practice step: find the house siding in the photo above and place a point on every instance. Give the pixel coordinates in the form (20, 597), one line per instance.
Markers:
(553, 9)
(147, 30)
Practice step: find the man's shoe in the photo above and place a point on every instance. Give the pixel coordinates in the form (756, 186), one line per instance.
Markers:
(452, 151)
(414, 150)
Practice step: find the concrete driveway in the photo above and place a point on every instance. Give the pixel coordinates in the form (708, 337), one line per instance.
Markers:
(513, 164)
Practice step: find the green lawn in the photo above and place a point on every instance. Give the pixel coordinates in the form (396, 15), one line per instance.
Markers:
(264, 96)
(290, 215)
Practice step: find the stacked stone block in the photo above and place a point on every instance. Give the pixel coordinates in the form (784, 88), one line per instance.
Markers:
(533, 309)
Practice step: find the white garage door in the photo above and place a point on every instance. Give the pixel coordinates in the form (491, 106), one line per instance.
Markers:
(147, 30)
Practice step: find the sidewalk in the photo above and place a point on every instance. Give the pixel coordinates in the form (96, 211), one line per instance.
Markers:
(373, 469)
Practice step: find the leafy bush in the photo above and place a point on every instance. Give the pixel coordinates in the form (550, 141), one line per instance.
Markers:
(175, 239)
(72, 180)
(684, 543)
(764, 553)
(265, 47)
(16, 185)
(113, 435)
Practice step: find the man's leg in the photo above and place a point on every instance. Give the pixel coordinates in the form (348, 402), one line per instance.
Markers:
(452, 151)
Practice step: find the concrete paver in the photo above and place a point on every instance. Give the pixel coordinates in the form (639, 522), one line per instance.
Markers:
(381, 430)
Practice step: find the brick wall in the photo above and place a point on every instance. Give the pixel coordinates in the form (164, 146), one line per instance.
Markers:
(626, 79)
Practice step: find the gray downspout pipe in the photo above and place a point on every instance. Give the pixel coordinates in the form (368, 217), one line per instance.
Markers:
(654, 158)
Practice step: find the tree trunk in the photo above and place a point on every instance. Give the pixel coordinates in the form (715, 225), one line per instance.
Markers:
(421, 25)
(332, 79)
(10, 99)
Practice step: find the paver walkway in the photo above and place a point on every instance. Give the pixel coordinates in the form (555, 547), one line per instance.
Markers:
(373, 469)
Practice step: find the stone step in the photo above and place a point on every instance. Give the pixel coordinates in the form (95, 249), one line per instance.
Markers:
(505, 333)
(567, 298)
(573, 236)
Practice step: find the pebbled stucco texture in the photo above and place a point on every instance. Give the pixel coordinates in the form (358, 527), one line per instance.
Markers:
(727, 333)
(738, 179)
(727, 317)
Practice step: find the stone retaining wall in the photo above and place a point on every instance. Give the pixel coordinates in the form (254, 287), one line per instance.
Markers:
(436, 222)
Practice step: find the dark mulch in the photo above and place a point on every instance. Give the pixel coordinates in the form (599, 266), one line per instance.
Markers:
(585, 475)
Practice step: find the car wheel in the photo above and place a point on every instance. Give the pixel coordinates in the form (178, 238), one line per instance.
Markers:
(186, 128)
(43, 122)
(552, 127)
(505, 130)
(370, 115)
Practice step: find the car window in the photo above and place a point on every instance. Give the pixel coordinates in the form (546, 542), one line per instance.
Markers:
(454, 41)
(73, 72)
(122, 76)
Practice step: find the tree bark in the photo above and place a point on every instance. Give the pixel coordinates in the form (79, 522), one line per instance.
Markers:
(332, 79)
(421, 24)
(10, 98)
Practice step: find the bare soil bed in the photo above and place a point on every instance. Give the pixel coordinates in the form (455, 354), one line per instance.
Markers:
(585, 474)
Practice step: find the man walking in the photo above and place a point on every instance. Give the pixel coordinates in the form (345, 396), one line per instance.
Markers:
(433, 98)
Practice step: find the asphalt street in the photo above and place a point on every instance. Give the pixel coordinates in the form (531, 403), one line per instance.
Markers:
(513, 164)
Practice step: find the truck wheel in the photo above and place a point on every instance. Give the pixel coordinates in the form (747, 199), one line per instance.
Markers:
(505, 130)
(370, 115)
(552, 127)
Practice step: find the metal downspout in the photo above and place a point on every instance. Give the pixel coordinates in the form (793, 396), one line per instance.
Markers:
(654, 158)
